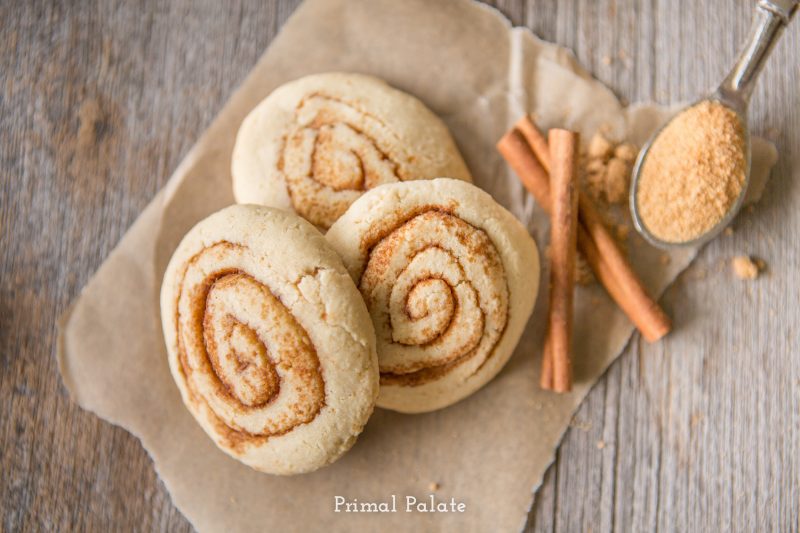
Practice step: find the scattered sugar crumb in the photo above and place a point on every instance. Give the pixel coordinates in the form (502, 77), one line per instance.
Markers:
(696, 419)
(665, 259)
(744, 267)
(599, 146)
(616, 180)
(626, 152)
(606, 60)
(434, 486)
(606, 169)
(593, 184)
(595, 166)
(727, 231)
(601, 444)
(579, 424)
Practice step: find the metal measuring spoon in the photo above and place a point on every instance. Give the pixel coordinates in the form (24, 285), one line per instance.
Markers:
(771, 17)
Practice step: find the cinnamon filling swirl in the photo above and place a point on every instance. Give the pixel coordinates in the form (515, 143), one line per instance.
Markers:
(436, 289)
(241, 352)
(334, 153)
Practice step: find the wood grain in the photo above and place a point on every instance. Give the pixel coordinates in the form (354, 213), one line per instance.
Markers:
(100, 100)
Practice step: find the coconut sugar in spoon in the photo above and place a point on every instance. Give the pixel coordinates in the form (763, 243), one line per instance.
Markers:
(771, 17)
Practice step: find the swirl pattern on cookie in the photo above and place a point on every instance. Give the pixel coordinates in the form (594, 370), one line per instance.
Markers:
(316, 144)
(268, 339)
(449, 278)
(241, 351)
(436, 291)
(334, 153)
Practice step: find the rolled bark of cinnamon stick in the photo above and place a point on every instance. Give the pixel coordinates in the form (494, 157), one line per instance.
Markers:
(536, 180)
(557, 363)
(527, 152)
(536, 140)
(519, 155)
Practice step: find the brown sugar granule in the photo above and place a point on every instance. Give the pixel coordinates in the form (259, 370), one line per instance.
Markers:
(694, 173)
(595, 166)
(745, 268)
(599, 146)
(594, 184)
(607, 169)
(616, 180)
(626, 151)
(593, 177)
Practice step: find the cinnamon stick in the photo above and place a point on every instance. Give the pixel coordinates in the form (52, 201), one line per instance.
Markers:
(536, 140)
(650, 319)
(557, 363)
(595, 242)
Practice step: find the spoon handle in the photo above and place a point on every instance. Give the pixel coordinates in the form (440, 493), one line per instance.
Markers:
(771, 16)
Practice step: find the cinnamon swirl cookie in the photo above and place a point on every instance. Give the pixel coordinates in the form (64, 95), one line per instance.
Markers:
(450, 279)
(268, 339)
(316, 144)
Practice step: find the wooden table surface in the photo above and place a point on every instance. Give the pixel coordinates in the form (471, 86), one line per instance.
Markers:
(101, 99)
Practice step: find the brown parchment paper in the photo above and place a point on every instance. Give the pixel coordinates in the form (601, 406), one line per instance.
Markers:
(489, 451)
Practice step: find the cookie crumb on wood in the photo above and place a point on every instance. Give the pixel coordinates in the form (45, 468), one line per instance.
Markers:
(434, 486)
